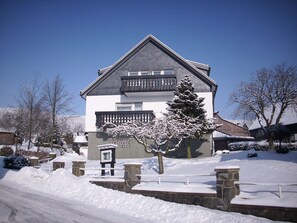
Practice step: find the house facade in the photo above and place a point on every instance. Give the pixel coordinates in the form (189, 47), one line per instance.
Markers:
(137, 87)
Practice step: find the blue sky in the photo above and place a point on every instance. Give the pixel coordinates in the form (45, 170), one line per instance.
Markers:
(75, 38)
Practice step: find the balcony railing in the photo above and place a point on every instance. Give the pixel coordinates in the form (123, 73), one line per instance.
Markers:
(148, 83)
(119, 117)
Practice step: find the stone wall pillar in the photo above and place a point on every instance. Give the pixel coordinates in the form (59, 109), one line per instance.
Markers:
(57, 165)
(76, 165)
(52, 155)
(226, 189)
(132, 172)
(34, 161)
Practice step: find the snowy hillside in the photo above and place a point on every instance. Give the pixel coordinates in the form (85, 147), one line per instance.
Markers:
(268, 167)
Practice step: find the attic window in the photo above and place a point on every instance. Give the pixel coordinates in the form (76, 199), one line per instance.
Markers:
(133, 74)
(152, 72)
(156, 72)
(167, 72)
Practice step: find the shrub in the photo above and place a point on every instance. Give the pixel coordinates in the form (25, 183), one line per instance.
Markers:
(282, 150)
(15, 162)
(6, 151)
(248, 145)
(261, 146)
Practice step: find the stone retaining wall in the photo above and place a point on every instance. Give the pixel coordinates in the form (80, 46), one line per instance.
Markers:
(120, 186)
(226, 190)
(202, 199)
(273, 213)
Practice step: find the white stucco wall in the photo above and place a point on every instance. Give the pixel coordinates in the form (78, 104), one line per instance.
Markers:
(98, 103)
(208, 103)
(156, 102)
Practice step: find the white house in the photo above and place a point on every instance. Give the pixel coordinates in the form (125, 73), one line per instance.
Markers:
(137, 86)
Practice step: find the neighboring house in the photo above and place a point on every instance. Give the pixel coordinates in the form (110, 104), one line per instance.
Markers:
(228, 132)
(289, 120)
(8, 138)
(137, 87)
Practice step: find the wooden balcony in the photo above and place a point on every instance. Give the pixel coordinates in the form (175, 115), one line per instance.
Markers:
(149, 83)
(119, 117)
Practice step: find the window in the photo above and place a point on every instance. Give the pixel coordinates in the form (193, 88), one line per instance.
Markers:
(168, 72)
(136, 106)
(156, 72)
(162, 72)
(143, 73)
(123, 107)
(153, 72)
(133, 74)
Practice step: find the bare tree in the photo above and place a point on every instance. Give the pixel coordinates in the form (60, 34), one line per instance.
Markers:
(8, 119)
(267, 96)
(58, 101)
(30, 102)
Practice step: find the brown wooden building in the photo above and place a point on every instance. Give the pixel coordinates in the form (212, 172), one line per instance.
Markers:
(7, 138)
(228, 132)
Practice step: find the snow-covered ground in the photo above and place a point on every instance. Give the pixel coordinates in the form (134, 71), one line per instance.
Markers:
(268, 167)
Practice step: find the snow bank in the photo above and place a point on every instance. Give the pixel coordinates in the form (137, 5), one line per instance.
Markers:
(63, 184)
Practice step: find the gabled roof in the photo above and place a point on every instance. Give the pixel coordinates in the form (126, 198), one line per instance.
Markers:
(103, 74)
(289, 117)
(221, 135)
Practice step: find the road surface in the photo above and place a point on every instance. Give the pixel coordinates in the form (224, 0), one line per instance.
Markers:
(19, 205)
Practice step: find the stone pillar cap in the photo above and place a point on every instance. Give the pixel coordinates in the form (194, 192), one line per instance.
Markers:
(138, 164)
(228, 168)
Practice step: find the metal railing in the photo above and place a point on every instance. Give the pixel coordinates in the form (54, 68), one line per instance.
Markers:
(95, 172)
(279, 185)
(185, 178)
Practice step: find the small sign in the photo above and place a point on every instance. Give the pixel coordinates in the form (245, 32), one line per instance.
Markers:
(106, 156)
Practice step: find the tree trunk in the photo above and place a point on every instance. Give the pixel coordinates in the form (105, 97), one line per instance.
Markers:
(53, 130)
(160, 161)
(271, 146)
(189, 155)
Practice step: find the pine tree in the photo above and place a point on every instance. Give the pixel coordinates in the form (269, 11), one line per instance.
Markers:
(189, 108)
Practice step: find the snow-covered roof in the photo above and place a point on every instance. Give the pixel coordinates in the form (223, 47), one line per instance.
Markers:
(289, 117)
(218, 134)
(221, 135)
(80, 139)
